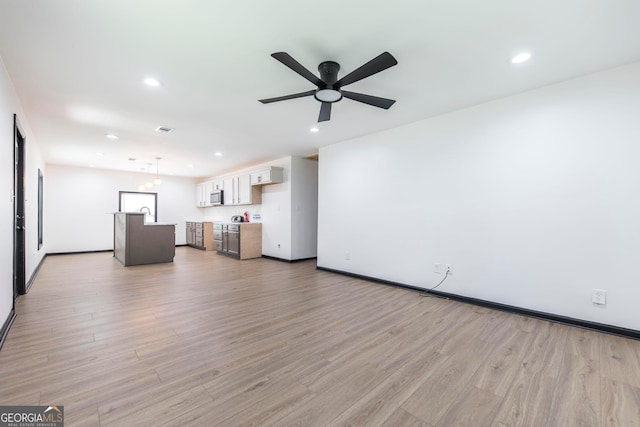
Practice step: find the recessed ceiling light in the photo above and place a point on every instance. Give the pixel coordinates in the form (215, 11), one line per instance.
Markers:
(99, 154)
(314, 129)
(521, 57)
(190, 166)
(218, 153)
(150, 81)
(111, 136)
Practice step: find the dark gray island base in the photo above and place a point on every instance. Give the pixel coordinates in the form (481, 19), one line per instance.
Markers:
(137, 243)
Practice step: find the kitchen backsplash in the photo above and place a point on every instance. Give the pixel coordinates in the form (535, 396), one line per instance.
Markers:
(224, 213)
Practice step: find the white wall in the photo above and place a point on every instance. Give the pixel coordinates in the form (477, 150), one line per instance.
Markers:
(78, 203)
(534, 200)
(304, 208)
(7, 108)
(9, 104)
(276, 214)
(33, 162)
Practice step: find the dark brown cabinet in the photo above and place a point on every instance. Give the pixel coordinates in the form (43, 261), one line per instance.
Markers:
(239, 240)
(200, 235)
(136, 242)
(218, 233)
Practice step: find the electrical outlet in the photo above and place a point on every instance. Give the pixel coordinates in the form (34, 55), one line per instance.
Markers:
(599, 297)
(449, 269)
(437, 268)
(347, 256)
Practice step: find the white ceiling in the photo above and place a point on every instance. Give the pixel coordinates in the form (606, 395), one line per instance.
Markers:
(78, 67)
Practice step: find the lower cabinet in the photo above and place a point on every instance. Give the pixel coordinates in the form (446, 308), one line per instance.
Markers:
(200, 235)
(217, 236)
(239, 240)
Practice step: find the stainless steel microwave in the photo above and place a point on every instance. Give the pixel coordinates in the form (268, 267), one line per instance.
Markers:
(217, 197)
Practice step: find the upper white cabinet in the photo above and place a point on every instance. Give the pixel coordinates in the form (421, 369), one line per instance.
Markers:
(229, 187)
(208, 188)
(272, 175)
(203, 191)
(241, 189)
(216, 185)
(201, 195)
(244, 190)
(238, 191)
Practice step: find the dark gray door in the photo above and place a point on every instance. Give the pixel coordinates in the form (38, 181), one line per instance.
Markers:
(19, 274)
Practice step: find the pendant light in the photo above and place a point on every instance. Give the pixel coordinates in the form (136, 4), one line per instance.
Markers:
(157, 180)
(149, 184)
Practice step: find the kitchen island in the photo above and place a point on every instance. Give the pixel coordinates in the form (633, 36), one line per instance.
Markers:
(136, 242)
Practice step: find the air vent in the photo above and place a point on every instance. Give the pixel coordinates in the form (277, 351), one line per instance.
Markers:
(132, 159)
(164, 129)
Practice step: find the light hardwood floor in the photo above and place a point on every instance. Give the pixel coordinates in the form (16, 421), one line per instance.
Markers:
(212, 341)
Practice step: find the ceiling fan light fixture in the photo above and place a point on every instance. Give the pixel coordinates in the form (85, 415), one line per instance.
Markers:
(328, 95)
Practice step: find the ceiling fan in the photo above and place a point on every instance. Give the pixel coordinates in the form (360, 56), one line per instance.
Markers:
(329, 88)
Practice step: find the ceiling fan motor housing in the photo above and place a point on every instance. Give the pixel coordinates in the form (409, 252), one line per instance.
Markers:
(329, 75)
(329, 72)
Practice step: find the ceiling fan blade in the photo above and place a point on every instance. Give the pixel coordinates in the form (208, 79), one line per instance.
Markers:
(377, 64)
(288, 60)
(325, 112)
(284, 98)
(369, 99)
